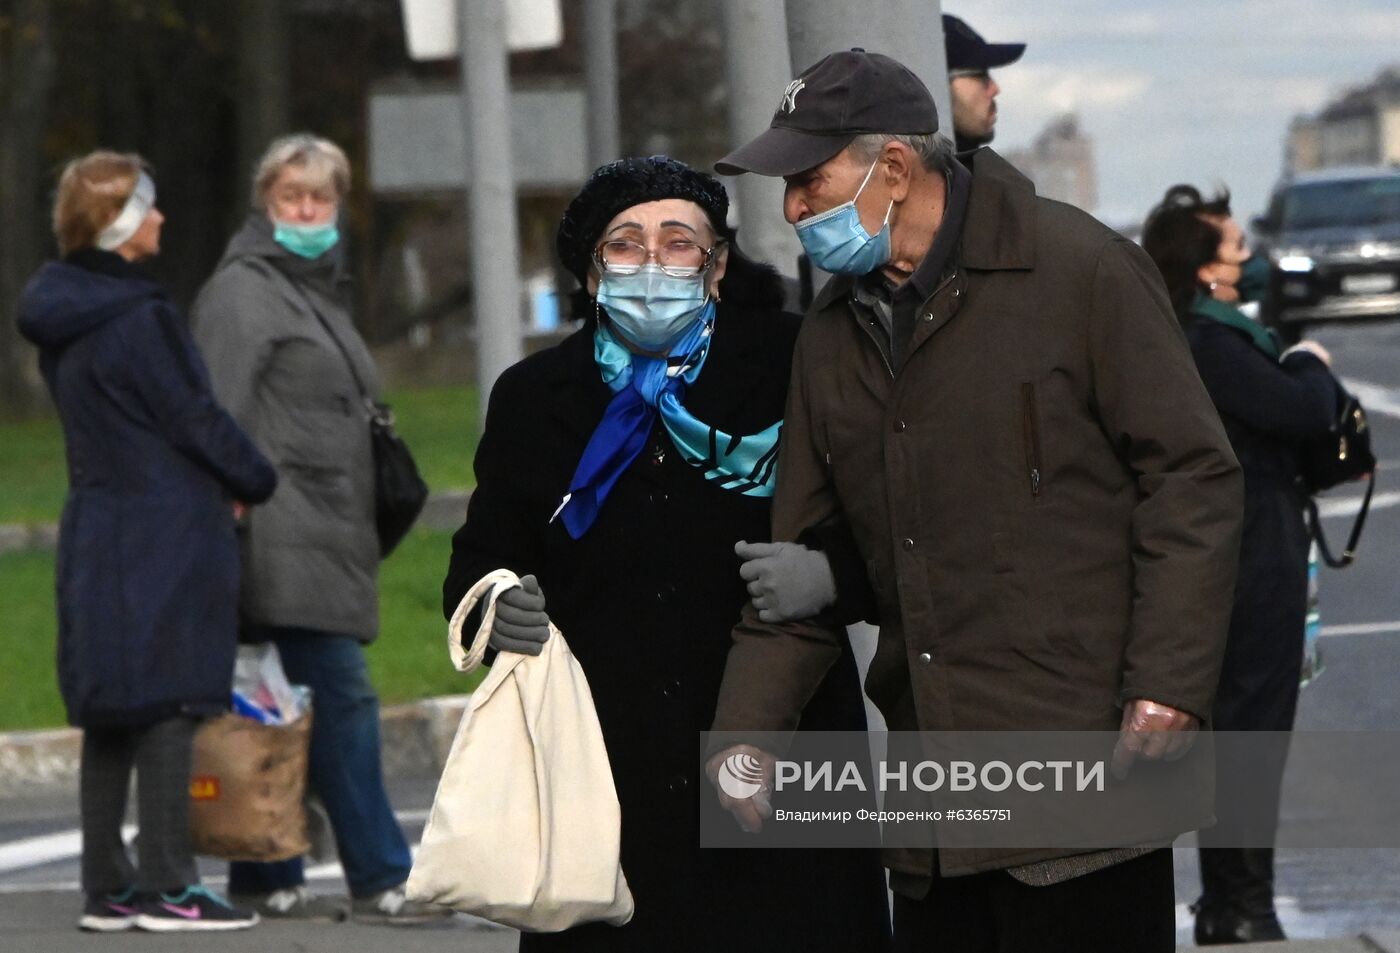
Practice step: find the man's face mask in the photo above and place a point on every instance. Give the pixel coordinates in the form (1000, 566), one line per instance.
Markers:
(838, 243)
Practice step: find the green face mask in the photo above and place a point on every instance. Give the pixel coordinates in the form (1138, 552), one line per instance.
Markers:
(1254, 278)
(308, 241)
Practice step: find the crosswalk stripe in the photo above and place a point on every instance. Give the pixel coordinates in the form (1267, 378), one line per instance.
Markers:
(29, 852)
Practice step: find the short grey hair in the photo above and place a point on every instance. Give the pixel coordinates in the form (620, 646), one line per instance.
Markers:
(324, 162)
(934, 151)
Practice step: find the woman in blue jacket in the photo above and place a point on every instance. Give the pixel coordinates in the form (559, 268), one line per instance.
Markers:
(148, 556)
(1270, 402)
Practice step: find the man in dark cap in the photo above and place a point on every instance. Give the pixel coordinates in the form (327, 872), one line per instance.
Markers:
(992, 403)
(970, 85)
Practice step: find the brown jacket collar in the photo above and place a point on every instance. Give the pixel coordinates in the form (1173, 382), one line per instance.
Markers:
(998, 234)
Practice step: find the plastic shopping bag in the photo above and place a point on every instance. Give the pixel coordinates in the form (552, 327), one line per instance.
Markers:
(260, 687)
(525, 828)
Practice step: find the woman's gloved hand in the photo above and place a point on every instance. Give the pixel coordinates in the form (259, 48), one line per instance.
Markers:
(786, 580)
(521, 624)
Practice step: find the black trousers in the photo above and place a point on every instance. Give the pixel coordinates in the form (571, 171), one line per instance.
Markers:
(1127, 908)
(160, 754)
(1258, 693)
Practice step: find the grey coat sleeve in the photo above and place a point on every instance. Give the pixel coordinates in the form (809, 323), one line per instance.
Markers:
(234, 328)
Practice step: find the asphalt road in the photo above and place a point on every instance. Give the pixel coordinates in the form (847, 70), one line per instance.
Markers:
(1323, 892)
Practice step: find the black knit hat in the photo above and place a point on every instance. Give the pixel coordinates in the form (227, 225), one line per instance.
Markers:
(627, 182)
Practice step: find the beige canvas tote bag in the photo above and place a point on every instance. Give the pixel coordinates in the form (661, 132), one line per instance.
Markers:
(525, 827)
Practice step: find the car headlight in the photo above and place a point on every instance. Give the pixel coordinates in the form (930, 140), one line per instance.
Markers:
(1381, 251)
(1292, 259)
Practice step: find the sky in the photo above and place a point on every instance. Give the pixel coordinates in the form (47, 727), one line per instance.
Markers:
(1198, 91)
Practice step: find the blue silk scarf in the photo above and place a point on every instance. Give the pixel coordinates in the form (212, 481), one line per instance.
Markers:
(642, 387)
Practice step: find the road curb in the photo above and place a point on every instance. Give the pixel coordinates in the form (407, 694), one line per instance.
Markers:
(414, 738)
(28, 538)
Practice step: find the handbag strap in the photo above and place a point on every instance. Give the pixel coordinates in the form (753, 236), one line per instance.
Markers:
(267, 269)
(487, 587)
(1349, 553)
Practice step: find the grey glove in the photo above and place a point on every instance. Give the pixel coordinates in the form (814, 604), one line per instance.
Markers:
(786, 580)
(521, 624)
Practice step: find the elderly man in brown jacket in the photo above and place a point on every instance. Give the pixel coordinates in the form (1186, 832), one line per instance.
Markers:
(993, 400)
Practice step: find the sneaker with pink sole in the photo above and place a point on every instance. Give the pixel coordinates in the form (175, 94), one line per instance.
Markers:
(195, 908)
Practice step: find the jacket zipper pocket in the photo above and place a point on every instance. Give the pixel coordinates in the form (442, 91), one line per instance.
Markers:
(1031, 431)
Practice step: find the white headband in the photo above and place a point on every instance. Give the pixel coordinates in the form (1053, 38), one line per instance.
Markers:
(133, 213)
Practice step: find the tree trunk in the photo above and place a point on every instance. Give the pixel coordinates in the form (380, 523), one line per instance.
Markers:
(26, 75)
(264, 109)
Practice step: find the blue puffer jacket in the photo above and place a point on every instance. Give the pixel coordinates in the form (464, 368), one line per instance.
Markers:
(148, 556)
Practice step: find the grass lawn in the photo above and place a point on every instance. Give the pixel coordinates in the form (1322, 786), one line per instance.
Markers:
(28, 680)
(439, 425)
(408, 661)
(33, 475)
(410, 658)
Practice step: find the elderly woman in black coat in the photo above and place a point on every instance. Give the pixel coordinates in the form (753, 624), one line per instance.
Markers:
(615, 475)
(147, 554)
(1269, 402)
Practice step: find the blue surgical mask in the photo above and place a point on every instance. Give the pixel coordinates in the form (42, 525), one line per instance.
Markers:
(837, 242)
(1254, 278)
(651, 309)
(308, 241)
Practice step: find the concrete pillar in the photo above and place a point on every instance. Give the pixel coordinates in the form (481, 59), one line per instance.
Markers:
(911, 31)
(600, 72)
(757, 70)
(494, 233)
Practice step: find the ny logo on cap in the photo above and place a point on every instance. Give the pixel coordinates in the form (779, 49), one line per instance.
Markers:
(789, 103)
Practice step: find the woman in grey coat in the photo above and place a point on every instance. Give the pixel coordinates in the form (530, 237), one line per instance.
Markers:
(275, 327)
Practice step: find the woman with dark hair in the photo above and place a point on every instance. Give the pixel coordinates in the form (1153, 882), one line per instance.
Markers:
(1270, 402)
(615, 474)
(147, 552)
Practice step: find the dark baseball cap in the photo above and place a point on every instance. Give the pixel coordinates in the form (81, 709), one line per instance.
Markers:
(966, 49)
(841, 96)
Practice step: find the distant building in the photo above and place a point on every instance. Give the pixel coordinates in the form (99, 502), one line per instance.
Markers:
(1362, 127)
(1061, 163)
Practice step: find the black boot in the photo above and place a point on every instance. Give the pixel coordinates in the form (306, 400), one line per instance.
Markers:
(1217, 927)
(1237, 897)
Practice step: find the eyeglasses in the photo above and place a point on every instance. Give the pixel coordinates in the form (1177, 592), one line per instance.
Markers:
(980, 75)
(679, 259)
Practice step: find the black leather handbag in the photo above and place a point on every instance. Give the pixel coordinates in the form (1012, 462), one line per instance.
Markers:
(399, 490)
(1342, 456)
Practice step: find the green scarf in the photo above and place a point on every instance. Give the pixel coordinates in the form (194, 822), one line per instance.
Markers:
(1227, 314)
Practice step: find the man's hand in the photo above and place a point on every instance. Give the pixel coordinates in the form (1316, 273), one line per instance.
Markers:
(743, 766)
(786, 580)
(1152, 731)
(240, 510)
